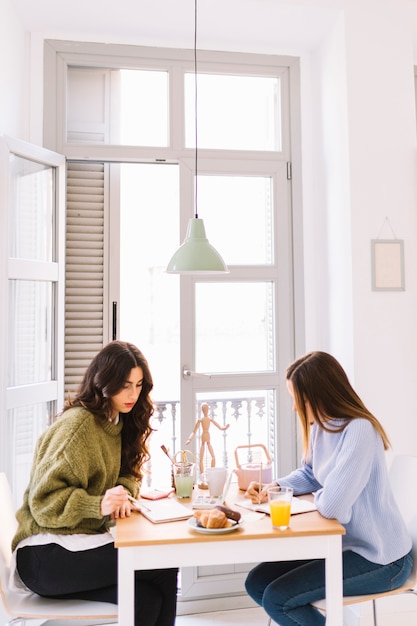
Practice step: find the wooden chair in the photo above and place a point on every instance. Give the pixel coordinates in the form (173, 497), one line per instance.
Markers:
(22, 607)
(403, 479)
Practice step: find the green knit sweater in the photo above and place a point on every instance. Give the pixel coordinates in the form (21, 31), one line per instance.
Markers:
(75, 461)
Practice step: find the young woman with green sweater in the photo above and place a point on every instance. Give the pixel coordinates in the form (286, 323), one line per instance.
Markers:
(85, 465)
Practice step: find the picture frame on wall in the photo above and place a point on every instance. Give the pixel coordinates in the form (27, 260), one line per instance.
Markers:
(387, 264)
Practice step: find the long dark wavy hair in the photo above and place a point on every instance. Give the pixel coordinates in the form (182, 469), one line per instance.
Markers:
(104, 378)
(319, 379)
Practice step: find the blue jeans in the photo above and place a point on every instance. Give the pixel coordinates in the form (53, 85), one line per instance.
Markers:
(285, 589)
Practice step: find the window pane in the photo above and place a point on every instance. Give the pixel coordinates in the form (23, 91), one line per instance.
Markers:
(30, 332)
(143, 108)
(243, 206)
(234, 327)
(149, 297)
(30, 214)
(24, 425)
(121, 107)
(234, 112)
(87, 105)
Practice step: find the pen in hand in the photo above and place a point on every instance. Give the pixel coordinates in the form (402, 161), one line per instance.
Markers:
(256, 492)
(260, 484)
(259, 493)
(137, 503)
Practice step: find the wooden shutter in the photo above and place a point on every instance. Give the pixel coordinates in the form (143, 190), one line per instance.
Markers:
(84, 268)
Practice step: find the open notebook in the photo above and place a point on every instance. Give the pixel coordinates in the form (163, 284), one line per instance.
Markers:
(298, 505)
(165, 510)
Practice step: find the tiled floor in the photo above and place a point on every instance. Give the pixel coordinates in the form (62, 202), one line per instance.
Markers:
(257, 617)
(405, 614)
(241, 617)
(250, 617)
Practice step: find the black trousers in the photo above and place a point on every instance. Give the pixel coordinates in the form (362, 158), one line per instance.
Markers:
(54, 572)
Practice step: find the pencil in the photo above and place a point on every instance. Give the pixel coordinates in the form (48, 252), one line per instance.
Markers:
(260, 483)
(133, 500)
(137, 503)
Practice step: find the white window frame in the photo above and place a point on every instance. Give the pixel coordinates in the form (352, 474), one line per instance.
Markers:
(59, 55)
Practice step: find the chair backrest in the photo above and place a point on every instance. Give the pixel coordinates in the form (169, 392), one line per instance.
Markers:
(403, 479)
(8, 526)
(32, 606)
(8, 522)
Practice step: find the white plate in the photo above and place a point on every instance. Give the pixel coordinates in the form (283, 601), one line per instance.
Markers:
(212, 531)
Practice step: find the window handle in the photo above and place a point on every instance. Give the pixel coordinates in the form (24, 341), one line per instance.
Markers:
(186, 373)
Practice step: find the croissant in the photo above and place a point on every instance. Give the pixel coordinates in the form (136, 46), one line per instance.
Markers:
(212, 519)
(217, 519)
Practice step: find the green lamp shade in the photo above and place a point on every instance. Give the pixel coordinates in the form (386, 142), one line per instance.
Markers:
(196, 255)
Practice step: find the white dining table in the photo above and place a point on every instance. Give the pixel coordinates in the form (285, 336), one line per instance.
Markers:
(144, 545)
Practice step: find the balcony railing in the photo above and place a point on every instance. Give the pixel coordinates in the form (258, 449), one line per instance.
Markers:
(249, 419)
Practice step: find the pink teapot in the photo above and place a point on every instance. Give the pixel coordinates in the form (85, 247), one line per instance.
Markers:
(260, 471)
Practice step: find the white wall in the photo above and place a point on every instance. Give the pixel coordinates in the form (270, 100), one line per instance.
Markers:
(326, 205)
(363, 167)
(12, 90)
(382, 147)
(14, 72)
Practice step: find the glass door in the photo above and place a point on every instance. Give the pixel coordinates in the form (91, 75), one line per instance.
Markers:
(222, 340)
(214, 340)
(236, 329)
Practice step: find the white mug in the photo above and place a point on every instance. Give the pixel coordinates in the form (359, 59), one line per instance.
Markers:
(216, 478)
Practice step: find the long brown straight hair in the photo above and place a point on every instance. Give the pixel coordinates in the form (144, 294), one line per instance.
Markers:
(319, 380)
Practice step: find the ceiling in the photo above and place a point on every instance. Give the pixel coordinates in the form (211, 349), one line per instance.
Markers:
(265, 26)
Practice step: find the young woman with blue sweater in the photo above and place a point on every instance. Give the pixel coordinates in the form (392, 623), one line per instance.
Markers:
(344, 466)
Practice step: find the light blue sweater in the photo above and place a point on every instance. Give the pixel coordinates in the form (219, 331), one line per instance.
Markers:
(348, 473)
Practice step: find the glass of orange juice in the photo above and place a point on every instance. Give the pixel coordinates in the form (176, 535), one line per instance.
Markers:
(279, 499)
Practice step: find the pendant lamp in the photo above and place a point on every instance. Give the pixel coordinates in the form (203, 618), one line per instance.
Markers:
(196, 255)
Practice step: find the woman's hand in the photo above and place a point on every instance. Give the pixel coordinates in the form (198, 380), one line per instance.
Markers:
(258, 492)
(115, 503)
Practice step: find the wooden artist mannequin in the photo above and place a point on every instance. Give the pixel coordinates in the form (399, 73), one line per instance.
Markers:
(205, 423)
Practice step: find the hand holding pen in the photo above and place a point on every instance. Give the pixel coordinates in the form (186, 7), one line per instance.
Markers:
(115, 503)
(257, 492)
